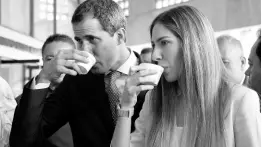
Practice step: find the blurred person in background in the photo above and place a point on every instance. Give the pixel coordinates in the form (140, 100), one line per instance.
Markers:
(254, 70)
(7, 108)
(194, 104)
(52, 46)
(233, 58)
(146, 55)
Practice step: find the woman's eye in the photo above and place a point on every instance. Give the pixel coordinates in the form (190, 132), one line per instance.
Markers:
(163, 43)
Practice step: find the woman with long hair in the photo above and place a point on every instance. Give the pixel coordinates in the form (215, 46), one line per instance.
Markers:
(195, 104)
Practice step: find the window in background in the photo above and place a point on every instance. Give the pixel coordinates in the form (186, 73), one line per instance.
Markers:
(165, 3)
(47, 10)
(124, 4)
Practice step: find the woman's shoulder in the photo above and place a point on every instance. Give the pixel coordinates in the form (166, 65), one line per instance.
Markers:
(238, 92)
(243, 97)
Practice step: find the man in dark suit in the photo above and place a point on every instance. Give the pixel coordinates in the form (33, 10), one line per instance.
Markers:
(52, 45)
(232, 55)
(88, 101)
(254, 69)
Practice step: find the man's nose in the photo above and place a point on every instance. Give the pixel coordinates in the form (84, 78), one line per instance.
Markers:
(86, 46)
(247, 72)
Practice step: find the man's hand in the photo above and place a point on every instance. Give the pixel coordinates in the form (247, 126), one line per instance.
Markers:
(63, 63)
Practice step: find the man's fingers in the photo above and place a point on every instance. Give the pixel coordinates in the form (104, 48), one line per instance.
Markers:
(71, 64)
(65, 70)
(77, 68)
(76, 55)
(67, 63)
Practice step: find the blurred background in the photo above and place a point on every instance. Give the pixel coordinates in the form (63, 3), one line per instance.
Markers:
(25, 24)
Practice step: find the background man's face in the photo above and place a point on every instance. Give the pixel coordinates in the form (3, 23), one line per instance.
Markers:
(254, 71)
(232, 58)
(51, 50)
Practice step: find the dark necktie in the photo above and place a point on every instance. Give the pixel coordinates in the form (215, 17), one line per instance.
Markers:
(112, 91)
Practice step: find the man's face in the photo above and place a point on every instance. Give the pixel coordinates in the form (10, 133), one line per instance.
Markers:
(146, 58)
(51, 50)
(234, 61)
(254, 70)
(92, 38)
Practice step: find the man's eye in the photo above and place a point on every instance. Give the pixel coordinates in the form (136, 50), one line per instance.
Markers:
(92, 39)
(79, 42)
(49, 58)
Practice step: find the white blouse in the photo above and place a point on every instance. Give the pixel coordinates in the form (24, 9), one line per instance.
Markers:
(242, 124)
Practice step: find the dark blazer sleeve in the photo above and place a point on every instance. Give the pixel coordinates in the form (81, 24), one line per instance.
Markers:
(37, 117)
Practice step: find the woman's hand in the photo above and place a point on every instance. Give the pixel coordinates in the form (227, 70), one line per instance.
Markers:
(142, 77)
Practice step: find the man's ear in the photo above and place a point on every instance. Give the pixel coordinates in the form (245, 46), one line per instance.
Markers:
(243, 63)
(120, 35)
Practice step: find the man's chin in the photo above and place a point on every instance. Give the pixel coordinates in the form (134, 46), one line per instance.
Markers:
(97, 70)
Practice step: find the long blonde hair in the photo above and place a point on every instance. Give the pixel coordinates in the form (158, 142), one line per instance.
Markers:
(201, 85)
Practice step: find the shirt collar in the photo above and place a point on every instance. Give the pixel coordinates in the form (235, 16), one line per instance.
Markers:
(131, 61)
(125, 67)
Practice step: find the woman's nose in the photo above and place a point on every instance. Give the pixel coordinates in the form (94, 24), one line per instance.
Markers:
(156, 55)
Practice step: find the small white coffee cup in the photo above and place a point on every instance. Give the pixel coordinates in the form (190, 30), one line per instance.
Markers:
(85, 67)
(155, 77)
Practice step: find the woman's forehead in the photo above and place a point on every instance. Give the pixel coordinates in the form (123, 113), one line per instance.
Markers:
(159, 31)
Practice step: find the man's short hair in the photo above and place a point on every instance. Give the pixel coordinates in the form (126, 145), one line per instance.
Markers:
(230, 40)
(146, 50)
(258, 48)
(58, 38)
(108, 13)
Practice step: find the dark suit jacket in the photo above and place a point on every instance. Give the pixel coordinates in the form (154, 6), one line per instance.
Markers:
(80, 100)
(61, 138)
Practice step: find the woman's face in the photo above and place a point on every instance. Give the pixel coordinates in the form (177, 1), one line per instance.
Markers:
(166, 52)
